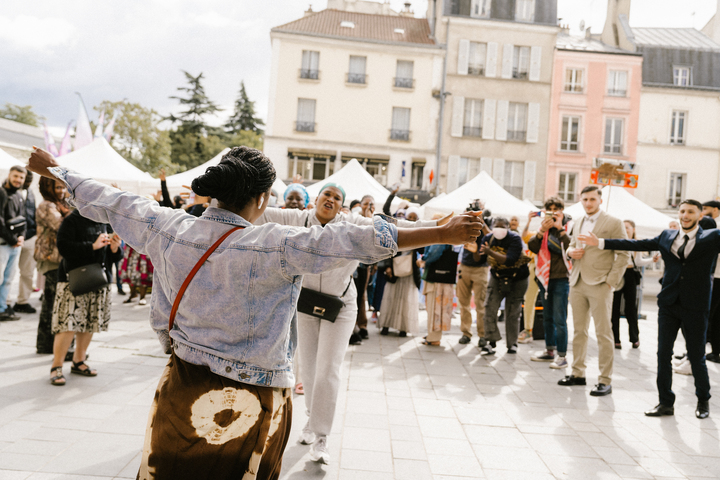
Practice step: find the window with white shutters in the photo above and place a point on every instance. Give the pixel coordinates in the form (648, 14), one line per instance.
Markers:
(305, 115)
(517, 122)
(677, 128)
(617, 83)
(480, 8)
(468, 168)
(676, 189)
(310, 63)
(400, 124)
(356, 72)
(614, 136)
(404, 74)
(521, 62)
(682, 76)
(524, 10)
(574, 80)
(570, 133)
(472, 123)
(477, 54)
(513, 179)
(566, 186)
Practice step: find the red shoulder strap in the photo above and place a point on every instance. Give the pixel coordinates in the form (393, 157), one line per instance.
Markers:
(195, 269)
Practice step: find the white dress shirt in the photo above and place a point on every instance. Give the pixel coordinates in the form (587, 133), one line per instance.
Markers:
(588, 223)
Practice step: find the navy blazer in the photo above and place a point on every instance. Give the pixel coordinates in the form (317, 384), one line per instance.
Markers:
(689, 281)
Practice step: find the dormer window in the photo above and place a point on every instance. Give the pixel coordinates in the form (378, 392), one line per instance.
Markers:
(347, 24)
(682, 76)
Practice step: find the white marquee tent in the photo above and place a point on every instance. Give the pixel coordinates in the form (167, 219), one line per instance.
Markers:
(620, 203)
(7, 161)
(101, 162)
(497, 199)
(185, 178)
(356, 182)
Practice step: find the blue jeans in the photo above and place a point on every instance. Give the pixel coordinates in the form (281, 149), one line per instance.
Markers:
(9, 257)
(555, 306)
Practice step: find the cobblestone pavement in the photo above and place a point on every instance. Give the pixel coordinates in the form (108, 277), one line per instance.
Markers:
(406, 411)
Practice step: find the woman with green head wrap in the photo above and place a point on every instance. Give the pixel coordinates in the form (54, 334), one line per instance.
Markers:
(322, 344)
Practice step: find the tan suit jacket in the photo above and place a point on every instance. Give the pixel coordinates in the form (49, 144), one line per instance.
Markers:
(600, 266)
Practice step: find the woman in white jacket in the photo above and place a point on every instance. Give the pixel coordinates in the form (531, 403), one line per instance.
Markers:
(322, 344)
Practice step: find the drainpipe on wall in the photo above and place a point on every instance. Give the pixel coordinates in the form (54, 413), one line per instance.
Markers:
(442, 95)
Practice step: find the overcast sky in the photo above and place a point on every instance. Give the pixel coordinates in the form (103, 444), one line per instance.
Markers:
(136, 49)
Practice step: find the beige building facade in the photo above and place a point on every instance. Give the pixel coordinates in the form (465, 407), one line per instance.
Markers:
(349, 85)
(499, 75)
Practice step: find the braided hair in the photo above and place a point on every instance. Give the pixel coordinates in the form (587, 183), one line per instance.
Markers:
(242, 174)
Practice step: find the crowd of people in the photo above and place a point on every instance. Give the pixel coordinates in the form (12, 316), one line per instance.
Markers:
(303, 278)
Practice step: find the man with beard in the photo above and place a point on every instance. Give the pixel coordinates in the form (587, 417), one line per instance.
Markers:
(12, 231)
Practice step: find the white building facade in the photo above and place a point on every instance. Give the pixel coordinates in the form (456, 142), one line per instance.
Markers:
(349, 85)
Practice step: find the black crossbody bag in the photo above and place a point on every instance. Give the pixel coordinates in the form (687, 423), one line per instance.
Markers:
(321, 305)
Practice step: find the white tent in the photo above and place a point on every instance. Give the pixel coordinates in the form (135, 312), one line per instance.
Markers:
(101, 162)
(496, 198)
(7, 161)
(356, 182)
(620, 203)
(186, 178)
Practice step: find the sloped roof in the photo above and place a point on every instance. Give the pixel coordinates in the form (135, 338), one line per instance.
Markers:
(674, 38)
(356, 182)
(367, 27)
(583, 44)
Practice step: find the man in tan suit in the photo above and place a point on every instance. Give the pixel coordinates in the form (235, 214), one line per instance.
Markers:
(595, 275)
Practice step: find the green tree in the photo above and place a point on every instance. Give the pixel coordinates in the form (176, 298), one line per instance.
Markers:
(194, 142)
(243, 118)
(138, 137)
(20, 114)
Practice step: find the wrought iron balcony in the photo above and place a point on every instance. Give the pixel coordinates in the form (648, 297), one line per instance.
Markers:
(472, 131)
(403, 135)
(304, 126)
(309, 74)
(516, 135)
(360, 78)
(404, 82)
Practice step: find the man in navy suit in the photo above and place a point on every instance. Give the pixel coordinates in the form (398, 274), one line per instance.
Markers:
(690, 256)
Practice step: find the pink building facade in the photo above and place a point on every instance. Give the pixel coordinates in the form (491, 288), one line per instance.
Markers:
(594, 112)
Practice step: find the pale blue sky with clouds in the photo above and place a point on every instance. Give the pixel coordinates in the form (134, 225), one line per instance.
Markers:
(136, 49)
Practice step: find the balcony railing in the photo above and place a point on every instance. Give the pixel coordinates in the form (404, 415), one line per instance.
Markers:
(476, 70)
(516, 135)
(309, 74)
(304, 126)
(359, 78)
(404, 82)
(617, 93)
(472, 131)
(519, 74)
(403, 135)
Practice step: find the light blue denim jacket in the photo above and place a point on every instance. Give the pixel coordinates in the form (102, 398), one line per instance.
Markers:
(238, 316)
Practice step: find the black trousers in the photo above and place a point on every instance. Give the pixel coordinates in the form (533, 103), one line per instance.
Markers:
(629, 291)
(361, 283)
(694, 325)
(45, 337)
(713, 333)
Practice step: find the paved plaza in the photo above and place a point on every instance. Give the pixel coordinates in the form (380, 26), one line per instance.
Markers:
(405, 411)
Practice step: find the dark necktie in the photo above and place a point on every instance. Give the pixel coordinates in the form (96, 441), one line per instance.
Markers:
(681, 250)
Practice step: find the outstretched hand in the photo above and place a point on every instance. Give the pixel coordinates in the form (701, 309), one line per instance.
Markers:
(444, 220)
(484, 248)
(590, 239)
(462, 229)
(40, 161)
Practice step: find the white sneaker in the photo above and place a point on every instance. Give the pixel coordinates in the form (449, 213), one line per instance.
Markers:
(679, 361)
(683, 368)
(525, 337)
(319, 450)
(307, 436)
(559, 363)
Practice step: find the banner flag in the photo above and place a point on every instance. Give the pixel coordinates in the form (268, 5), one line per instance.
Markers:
(99, 128)
(108, 133)
(65, 146)
(83, 131)
(49, 141)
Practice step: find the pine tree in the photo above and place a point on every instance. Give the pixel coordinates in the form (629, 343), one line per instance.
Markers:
(243, 118)
(198, 105)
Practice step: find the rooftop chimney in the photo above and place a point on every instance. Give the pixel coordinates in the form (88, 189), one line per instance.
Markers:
(309, 11)
(407, 12)
(617, 31)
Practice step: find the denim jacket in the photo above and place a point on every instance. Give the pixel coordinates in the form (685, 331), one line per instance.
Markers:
(238, 316)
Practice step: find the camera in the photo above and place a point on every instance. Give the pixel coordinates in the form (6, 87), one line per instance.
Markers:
(475, 206)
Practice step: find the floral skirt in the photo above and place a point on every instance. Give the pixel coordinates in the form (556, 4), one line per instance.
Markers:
(136, 269)
(204, 426)
(88, 313)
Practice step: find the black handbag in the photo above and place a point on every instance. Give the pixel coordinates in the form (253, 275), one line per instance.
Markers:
(16, 223)
(86, 279)
(321, 305)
